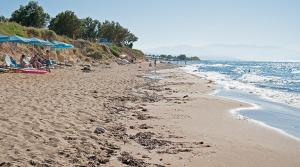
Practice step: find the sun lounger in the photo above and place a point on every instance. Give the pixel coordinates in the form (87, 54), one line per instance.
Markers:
(11, 62)
(2, 70)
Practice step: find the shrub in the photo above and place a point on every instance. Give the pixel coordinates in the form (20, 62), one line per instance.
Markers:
(138, 54)
(32, 32)
(95, 55)
(48, 34)
(115, 50)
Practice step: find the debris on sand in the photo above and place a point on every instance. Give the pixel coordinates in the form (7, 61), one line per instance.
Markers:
(174, 150)
(145, 126)
(119, 132)
(186, 96)
(128, 159)
(141, 116)
(145, 139)
(5, 164)
(86, 68)
(99, 130)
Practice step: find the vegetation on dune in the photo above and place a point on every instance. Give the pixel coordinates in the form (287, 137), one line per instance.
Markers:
(11, 28)
(31, 21)
(7, 28)
(68, 24)
(116, 50)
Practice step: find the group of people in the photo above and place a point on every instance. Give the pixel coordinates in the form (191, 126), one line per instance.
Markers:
(36, 61)
(150, 64)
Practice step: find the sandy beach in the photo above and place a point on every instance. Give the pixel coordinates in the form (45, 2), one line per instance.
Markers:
(117, 116)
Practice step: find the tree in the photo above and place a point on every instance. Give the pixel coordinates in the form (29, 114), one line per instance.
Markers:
(3, 19)
(129, 40)
(90, 29)
(117, 34)
(66, 23)
(31, 15)
(107, 30)
(170, 57)
(181, 57)
(162, 56)
(194, 58)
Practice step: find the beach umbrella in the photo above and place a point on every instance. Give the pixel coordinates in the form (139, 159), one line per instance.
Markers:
(4, 38)
(18, 39)
(61, 45)
(39, 42)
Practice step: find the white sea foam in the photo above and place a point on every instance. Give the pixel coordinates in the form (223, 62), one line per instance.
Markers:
(244, 85)
(217, 65)
(254, 78)
(235, 113)
(296, 72)
(226, 83)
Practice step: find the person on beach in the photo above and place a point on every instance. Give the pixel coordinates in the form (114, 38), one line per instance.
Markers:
(47, 60)
(154, 62)
(23, 62)
(36, 62)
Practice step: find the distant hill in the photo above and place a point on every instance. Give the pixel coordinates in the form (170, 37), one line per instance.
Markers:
(231, 52)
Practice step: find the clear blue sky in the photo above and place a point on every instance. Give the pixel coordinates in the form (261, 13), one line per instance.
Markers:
(190, 22)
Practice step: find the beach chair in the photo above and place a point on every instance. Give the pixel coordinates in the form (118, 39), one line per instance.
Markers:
(11, 62)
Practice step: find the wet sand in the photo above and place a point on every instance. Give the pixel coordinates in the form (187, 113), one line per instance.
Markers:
(115, 116)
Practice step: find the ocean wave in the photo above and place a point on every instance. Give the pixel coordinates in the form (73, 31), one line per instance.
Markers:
(244, 84)
(296, 72)
(254, 78)
(215, 65)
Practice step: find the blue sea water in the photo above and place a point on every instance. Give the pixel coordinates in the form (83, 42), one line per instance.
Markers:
(274, 87)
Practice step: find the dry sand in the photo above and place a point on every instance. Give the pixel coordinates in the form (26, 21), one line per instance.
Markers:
(114, 116)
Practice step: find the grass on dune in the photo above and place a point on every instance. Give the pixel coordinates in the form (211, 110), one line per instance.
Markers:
(89, 49)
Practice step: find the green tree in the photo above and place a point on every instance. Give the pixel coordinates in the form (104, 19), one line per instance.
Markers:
(181, 57)
(90, 29)
(107, 30)
(162, 56)
(3, 19)
(66, 23)
(31, 15)
(129, 40)
(117, 34)
(194, 58)
(170, 57)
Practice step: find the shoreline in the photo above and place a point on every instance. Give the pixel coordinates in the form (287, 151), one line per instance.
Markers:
(252, 106)
(236, 115)
(255, 129)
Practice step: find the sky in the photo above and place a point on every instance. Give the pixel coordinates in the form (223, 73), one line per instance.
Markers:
(192, 23)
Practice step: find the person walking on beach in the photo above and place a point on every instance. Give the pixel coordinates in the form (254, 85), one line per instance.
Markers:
(48, 61)
(154, 62)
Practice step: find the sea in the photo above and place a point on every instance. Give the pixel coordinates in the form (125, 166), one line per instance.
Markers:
(272, 88)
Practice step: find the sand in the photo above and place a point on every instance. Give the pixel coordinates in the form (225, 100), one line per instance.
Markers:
(115, 116)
